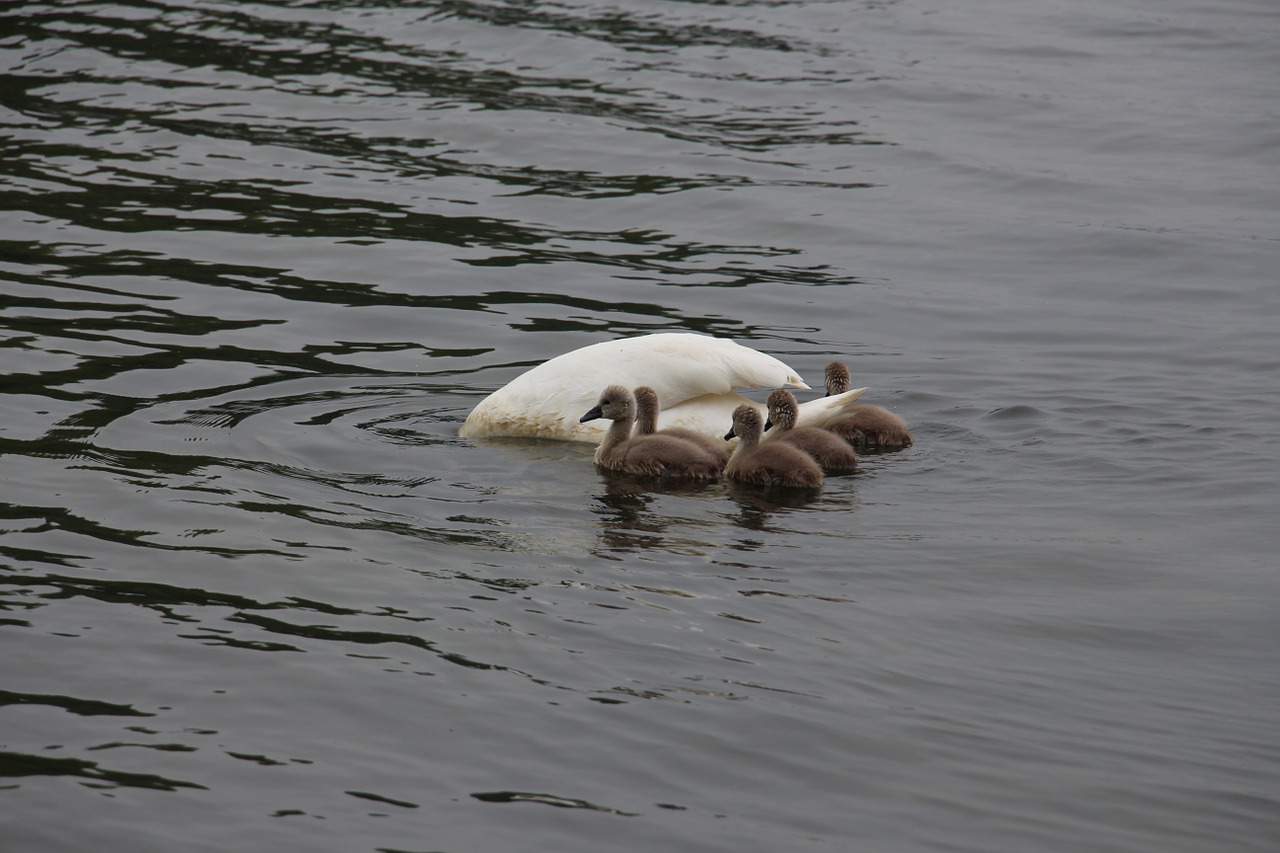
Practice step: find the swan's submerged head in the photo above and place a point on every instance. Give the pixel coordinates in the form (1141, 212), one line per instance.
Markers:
(836, 378)
(783, 410)
(747, 424)
(616, 403)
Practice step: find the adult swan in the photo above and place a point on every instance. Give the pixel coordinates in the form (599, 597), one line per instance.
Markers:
(694, 375)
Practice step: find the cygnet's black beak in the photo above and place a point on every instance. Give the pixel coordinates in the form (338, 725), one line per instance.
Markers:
(768, 422)
(730, 434)
(591, 415)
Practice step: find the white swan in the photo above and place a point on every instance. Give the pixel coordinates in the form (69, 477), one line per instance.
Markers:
(694, 375)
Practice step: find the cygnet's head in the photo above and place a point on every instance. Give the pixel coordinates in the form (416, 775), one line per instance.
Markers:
(615, 404)
(783, 410)
(836, 378)
(747, 424)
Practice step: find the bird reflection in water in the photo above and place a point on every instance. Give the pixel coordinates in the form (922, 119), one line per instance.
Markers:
(630, 516)
(634, 514)
(756, 506)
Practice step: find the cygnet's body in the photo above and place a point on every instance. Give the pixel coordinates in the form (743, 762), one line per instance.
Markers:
(830, 451)
(646, 455)
(772, 464)
(865, 425)
(647, 408)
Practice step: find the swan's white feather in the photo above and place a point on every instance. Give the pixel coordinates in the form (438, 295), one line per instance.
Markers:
(694, 375)
(713, 413)
(824, 411)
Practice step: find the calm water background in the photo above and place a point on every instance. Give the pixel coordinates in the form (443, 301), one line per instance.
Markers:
(260, 259)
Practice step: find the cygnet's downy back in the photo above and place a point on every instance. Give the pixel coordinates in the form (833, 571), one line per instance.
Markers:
(865, 426)
(830, 451)
(647, 409)
(772, 464)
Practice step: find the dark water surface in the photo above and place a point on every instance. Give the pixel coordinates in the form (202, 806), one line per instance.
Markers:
(258, 261)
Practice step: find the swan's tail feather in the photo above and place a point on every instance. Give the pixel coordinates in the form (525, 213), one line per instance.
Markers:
(825, 411)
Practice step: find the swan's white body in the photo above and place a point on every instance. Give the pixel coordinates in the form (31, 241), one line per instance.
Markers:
(694, 375)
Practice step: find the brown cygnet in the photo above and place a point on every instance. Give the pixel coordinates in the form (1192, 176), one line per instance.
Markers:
(647, 408)
(646, 455)
(772, 464)
(830, 451)
(866, 426)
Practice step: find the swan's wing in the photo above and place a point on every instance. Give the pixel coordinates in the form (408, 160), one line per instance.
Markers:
(709, 414)
(547, 400)
(712, 414)
(680, 366)
(526, 407)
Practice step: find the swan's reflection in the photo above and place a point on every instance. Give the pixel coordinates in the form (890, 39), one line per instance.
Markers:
(630, 512)
(762, 499)
(758, 507)
(637, 513)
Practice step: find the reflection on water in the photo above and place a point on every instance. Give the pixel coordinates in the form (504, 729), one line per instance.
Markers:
(13, 764)
(225, 620)
(83, 707)
(632, 517)
(756, 503)
(545, 799)
(645, 515)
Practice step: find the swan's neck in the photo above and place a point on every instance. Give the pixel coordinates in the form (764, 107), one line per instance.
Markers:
(646, 422)
(748, 440)
(618, 432)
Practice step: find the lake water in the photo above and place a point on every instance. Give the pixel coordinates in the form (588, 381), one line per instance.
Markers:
(258, 260)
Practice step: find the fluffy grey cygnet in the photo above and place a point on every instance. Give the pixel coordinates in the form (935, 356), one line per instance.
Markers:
(866, 425)
(647, 408)
(830, 451)
(646, 455)
(772, 464)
